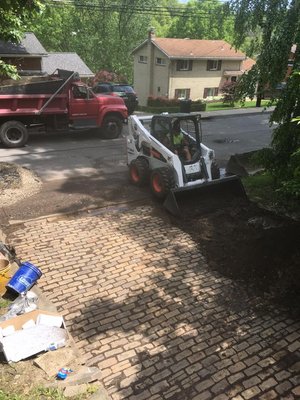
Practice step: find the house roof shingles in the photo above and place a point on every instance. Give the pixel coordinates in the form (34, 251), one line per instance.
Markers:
(247, 64)
(194, 48)
(67, 61)
(29, 46)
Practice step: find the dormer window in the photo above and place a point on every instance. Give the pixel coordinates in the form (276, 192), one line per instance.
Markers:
(184, 65)
(214, 65)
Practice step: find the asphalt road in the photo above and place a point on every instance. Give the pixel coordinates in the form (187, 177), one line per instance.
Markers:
(236, 135)
(64, 156)
(80, 171)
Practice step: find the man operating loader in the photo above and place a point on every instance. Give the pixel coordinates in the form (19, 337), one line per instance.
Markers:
(180, 144)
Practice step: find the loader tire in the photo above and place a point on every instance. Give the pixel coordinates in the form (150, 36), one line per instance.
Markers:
(215, 171)
(13, 134)
(112, 127)
(139, 171)
(161, 182)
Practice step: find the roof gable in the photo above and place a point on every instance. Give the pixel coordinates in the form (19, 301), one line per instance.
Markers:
(29, 45)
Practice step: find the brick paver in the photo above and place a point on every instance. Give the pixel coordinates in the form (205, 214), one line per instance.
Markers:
(142, 304)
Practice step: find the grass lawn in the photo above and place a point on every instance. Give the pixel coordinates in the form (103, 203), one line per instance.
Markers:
(221, 106)
(261, 189)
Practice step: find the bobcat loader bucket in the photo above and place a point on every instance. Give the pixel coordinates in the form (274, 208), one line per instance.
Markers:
(206, 195)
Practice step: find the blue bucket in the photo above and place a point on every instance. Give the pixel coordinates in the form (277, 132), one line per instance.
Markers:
(24, 278)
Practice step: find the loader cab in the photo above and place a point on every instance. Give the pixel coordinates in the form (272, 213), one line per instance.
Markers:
(162, 128)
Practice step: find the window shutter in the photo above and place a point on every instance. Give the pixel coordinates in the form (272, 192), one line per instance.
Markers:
(190, 65)
(188, 92)
(205, 93)
(219, 65)
(208, 66)
(216, 91)
(177, 65)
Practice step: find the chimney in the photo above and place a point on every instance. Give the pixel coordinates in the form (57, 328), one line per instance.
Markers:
(151, 34)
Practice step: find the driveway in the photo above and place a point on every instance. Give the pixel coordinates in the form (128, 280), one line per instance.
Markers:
(143, 305)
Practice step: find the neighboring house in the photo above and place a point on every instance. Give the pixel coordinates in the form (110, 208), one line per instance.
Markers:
(31, 58)
(185, 68)
(68, 61)
(26, 56)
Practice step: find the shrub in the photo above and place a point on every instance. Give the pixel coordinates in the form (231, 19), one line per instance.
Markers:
(229, 92)
(165, 103)
(106, 76)
(162, 102)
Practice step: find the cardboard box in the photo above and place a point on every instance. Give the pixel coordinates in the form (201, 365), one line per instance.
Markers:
(31, 333)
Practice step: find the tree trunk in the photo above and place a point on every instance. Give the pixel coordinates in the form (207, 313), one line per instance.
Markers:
(258, 100)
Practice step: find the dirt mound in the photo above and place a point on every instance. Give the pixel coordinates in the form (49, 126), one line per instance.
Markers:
(250, 244)
(16, 183)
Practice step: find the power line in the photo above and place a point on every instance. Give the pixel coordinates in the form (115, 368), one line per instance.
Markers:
(146, 10)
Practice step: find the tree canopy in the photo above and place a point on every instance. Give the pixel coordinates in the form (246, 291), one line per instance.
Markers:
(278, 21)
(14, 16)
(272, 26)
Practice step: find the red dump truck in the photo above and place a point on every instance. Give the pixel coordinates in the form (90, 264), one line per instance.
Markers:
(60, 102)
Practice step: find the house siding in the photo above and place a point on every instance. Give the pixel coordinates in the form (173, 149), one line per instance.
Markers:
(162, 80)
(25, 64)
(143, 84)
(160, 75)
(199, 78)
(142, 75)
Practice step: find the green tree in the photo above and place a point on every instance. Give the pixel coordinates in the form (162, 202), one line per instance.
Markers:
(14, 15)
(279, 23)
(102, 32)
(203, 19)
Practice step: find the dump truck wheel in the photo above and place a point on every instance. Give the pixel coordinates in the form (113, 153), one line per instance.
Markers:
(112, 127)
(13, 134)
(161, 182)
(215, 171)
(139, 171)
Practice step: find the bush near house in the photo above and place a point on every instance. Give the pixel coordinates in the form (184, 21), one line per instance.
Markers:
(229, 93)
(162, 104)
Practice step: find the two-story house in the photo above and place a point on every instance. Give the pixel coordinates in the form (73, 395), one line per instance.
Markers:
(185, 68)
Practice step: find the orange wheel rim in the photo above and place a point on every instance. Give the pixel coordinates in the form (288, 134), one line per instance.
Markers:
(134, 174)
(156, 184)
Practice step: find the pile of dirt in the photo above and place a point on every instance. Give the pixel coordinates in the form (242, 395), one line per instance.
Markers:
(16, 183)
(251, 245)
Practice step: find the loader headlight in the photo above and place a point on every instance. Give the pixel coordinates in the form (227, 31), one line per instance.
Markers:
(211, 155)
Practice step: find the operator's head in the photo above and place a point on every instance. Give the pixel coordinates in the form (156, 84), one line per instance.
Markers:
(176, 127)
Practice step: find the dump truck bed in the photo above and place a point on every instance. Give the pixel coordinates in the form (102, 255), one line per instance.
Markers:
(31, 104)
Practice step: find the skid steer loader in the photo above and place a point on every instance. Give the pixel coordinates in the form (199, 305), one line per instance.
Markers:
(176, 171)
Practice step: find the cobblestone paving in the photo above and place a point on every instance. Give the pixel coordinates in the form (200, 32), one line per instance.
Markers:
(143, 305)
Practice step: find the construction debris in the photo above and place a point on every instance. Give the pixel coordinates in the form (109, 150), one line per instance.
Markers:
(30, 334)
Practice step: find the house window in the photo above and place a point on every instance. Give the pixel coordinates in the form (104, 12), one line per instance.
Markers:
(233, 78)
(210, 92)
(160, 61)
(182, 93)
(184, 65)
(214, 65)
(143, 59)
